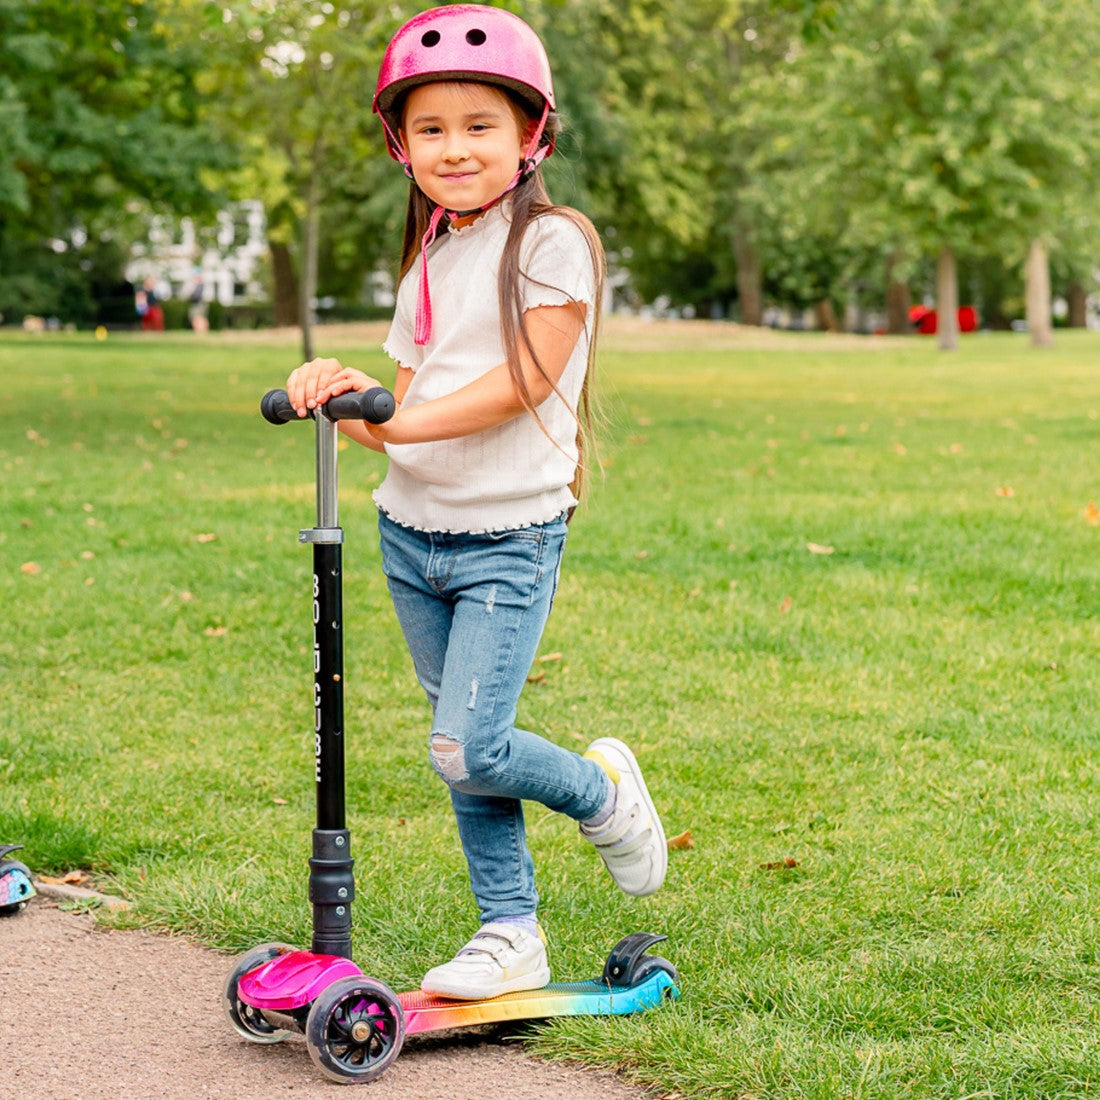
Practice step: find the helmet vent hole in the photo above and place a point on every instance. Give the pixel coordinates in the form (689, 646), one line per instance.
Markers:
(475, 37)
(431, 38)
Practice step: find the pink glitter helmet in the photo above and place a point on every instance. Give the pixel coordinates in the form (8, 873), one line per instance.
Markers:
(465, 42)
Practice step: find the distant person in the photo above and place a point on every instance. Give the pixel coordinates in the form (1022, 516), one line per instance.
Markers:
(196, 311)
(148, 308)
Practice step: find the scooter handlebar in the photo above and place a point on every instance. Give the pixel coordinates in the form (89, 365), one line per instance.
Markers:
(376, 406)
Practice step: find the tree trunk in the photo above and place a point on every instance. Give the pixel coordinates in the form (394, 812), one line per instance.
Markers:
(947, 300)
(1078, 312)
(897, 302)
(308, 288)
(826, 316)
(1037, 282)
(286, 284)
(749, 279)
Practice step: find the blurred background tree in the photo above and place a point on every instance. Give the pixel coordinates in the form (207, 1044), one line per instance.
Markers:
(100, 125)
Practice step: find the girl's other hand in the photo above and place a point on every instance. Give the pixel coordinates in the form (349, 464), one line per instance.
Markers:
(346, 380)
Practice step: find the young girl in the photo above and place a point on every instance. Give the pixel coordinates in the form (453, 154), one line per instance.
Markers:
(492, 336)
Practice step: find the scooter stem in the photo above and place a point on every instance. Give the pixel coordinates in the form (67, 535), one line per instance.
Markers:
(331, 882)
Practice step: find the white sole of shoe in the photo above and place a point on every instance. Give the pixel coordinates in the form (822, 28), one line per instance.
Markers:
(516, 985)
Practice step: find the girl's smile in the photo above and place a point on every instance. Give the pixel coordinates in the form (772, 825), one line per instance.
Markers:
(464, 142)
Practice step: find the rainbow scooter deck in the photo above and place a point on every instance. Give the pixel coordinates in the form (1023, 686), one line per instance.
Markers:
(632, 981)
(424, 1013)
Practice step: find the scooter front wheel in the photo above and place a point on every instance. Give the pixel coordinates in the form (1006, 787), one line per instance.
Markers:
(355, 1030)
(249, 1022)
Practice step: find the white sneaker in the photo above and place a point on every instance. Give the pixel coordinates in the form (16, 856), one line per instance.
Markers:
(500, 959)
(631, 842)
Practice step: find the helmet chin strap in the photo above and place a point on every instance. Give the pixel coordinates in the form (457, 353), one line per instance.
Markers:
(532, 158)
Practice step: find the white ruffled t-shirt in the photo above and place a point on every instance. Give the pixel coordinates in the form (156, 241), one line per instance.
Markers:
(512, 475)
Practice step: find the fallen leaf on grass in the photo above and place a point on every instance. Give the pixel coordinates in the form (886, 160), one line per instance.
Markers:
(682, 842)
(30, 568)
(1006, 491)
(548, 657)
(1092, 514)
(817, 548)
(211, 537)
(215, 631)
(785, 606)
(280, 801)
(70, 878)
(780, 865)
(536, 677)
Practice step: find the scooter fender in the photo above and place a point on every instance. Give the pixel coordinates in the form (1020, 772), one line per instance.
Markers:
(292, 981)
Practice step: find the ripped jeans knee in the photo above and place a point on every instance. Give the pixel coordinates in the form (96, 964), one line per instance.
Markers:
(448, 757)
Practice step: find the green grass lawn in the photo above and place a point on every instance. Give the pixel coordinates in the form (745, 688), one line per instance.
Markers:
(842, 597)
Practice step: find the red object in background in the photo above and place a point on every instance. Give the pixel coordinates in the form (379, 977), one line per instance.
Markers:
(924, 319)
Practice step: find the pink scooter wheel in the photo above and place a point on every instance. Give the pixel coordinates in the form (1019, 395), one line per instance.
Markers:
(355, 1030)
(248, 1022)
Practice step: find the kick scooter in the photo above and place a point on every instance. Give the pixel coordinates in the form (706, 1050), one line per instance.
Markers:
(16, 888)
(354, 1025)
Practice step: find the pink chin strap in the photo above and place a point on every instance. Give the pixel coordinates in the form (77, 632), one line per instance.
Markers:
(533, 156)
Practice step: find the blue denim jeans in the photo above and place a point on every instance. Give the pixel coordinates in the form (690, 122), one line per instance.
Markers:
(473, 608)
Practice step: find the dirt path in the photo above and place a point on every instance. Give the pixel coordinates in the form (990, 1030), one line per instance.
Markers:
(87, 1013)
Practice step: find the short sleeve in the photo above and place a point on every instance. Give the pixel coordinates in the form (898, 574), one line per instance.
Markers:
(400, 344)
(556, 264)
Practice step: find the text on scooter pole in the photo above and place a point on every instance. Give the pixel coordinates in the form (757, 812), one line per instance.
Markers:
(316, 678)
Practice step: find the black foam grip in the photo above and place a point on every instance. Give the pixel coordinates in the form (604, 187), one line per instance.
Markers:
(276, 408)
(376, 406)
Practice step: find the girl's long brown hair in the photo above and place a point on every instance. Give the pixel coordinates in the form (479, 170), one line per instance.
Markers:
(530, 201)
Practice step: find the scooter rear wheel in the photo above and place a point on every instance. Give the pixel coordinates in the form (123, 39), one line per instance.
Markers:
(355, 1030)
(249, 1022)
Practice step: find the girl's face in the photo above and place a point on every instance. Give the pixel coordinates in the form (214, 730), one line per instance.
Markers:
(464, 143)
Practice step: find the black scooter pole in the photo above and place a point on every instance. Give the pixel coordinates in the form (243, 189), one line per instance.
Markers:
(331, 883)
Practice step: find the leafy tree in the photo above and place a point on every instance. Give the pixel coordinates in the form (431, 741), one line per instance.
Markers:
(296, 78)
(98, 117)
(959, 127)
(634, 154)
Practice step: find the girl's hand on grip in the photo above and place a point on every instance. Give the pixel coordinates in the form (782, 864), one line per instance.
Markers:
(306, 383)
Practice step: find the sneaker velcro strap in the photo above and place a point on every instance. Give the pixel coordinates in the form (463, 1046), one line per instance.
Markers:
(626, 847)
(627, 824)
(492, 940)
